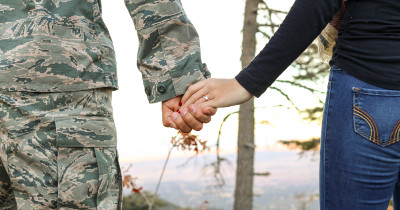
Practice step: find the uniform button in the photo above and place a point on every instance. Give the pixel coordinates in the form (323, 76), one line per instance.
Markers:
(147, 90)
(161, 89)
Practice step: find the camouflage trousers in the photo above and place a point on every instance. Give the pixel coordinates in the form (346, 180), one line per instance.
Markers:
(58, 151)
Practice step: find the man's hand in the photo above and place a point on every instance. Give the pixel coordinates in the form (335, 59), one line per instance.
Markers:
(187, 118)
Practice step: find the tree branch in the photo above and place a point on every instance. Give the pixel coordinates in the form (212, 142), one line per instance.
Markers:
(286, 96)
(312, 90)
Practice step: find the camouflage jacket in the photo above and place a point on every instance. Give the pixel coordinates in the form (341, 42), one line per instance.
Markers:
(64, 45)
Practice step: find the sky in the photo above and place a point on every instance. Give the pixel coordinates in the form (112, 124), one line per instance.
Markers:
(141, 135)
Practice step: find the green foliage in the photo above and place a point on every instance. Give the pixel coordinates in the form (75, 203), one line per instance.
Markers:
(137, 202)
(313, 114)
(312, 144)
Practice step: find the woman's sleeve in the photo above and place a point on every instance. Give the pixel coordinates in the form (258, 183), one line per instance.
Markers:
(169, 48)
(302, 25)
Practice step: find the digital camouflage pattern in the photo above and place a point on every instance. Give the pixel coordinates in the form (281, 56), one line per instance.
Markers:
(59, 150)
(169, 48)
(64, 45)
(57, 135)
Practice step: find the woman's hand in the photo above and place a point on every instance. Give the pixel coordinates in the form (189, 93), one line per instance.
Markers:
(216, 93)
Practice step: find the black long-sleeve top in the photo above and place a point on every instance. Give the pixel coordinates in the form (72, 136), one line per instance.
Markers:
(367, 47)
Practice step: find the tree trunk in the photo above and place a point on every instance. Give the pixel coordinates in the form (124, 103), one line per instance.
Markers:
(245, 159)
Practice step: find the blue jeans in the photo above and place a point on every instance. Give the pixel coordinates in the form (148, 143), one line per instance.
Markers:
(360, 153)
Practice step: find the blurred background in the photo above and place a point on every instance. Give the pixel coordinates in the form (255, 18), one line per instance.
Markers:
(287, 119)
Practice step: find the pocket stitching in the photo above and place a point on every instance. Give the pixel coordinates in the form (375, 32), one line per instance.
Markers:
(374, 134)
(395, 134)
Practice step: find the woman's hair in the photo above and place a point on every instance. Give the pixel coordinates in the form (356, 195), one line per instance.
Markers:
(326, 40)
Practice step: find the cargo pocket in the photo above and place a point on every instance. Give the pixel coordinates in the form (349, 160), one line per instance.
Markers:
(88, 171)
(376, 115)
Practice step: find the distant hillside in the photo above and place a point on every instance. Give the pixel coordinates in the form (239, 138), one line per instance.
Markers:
(137, 202)
(293, 182)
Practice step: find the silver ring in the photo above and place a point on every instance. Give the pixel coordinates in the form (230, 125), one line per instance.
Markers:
(206, 98)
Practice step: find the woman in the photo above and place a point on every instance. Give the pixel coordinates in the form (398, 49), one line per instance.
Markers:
(360, 156)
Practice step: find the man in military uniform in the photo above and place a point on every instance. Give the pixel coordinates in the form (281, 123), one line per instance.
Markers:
(57, 72)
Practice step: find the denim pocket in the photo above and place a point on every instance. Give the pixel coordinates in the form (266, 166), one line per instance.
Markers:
(376, 115)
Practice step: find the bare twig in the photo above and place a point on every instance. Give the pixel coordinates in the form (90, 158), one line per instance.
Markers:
(268, 25)
(312, 90)
(286, 96)
(217, 164)
(262, 174)
(162, 174)
(264, 34)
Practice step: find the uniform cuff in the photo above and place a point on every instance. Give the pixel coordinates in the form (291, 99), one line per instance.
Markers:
(174, 83)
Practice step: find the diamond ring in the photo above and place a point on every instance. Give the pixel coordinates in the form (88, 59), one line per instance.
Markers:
(206, 98)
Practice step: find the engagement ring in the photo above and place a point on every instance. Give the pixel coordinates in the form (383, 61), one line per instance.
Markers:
(205, 98)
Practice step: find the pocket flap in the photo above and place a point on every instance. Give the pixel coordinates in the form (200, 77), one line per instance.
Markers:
(81, 131)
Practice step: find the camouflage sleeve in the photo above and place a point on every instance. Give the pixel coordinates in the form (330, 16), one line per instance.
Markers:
(169, 48)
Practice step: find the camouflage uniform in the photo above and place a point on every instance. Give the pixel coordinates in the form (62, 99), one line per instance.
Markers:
(59, 150)
(57, 70)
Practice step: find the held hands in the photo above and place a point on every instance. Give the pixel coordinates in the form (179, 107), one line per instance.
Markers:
(200, 102)
(184, 118)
